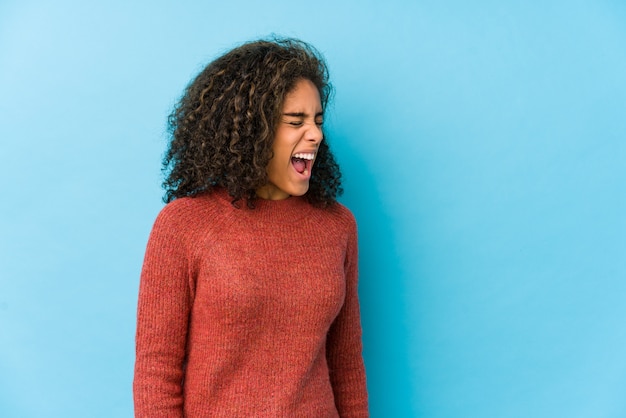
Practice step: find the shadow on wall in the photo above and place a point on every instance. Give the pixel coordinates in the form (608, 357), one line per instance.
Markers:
(381, 289)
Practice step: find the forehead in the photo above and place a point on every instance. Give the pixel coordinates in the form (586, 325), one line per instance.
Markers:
(303, 94)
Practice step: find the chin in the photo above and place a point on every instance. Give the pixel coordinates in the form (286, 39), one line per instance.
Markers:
(300, 191)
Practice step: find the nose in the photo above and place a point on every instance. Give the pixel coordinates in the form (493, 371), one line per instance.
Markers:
(314, 134)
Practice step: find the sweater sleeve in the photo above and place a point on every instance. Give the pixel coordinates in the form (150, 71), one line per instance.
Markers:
(162, 321)
(344, 345)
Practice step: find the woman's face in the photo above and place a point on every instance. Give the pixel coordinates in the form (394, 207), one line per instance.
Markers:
(297, 139)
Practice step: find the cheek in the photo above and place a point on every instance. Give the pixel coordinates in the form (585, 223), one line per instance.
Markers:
(278, 166)
(282, 151)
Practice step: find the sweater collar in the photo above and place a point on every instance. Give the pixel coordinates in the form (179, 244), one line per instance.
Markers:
(289, 210)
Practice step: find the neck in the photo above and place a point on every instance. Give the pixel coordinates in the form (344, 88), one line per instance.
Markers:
(271, 192)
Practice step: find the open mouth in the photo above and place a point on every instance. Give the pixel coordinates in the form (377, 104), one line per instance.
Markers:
(302, 162)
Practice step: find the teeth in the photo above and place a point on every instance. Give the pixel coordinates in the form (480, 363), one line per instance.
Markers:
(304, 155)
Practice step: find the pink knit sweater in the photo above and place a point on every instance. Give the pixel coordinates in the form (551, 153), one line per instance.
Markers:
(249, 312)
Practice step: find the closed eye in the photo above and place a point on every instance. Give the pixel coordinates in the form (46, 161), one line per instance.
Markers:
(301, 117)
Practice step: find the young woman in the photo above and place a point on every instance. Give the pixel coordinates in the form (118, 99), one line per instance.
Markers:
(248, 301)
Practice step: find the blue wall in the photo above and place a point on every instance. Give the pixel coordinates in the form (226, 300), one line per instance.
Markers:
(483, 147)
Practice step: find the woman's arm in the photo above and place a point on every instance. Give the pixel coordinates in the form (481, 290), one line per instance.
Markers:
(344, 346)
(162, 321)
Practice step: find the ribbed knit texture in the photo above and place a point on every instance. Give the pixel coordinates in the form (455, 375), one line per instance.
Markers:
(249, 312)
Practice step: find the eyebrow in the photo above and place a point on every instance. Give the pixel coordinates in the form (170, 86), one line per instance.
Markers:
(301, 114)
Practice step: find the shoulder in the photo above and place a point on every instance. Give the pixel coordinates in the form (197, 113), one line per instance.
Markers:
(343, 213)
(187, 214)
(337, 216)
(181, 209)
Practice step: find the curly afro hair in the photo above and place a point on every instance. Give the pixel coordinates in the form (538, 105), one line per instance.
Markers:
(223, 127)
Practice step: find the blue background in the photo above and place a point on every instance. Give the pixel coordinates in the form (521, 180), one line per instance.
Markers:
(483, 148)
